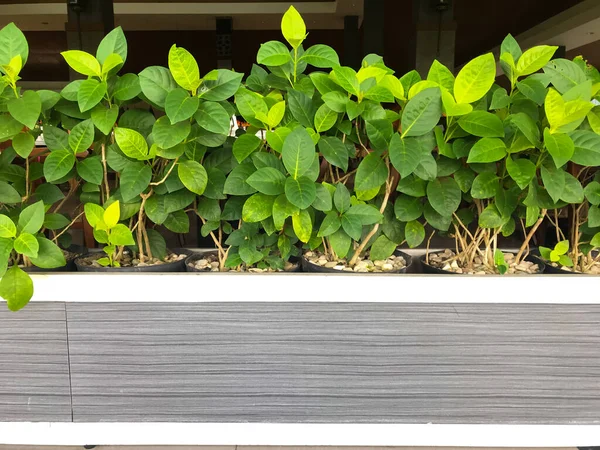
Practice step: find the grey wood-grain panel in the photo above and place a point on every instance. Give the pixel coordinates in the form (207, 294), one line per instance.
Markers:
(335, 362)
(34, 364)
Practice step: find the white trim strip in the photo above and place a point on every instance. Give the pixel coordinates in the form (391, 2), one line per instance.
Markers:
(303, 287)
(64, 434)
(218, 8)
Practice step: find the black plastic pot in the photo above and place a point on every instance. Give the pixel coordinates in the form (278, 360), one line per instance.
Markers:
(196, 256)
(175, 266)
(78, 250)
(434, 270)
(311, 267)
(549, 267)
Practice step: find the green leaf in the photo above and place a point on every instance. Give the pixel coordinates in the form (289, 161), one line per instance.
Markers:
(323, 199)
(135, 178)
(500, 262)
(244, 146)
(336, 101)
(491, 218)
(300, 192)
(405, 154)
(8, 194)
(422, 113)
(301, 107)
(49, 255)
(90, 169)
(179, 105)
(510, 45)
(366, 214)
(526, 125)
(166, 135)
(325, 118)
(23, 144)
(321, 56)
(9, 127)
(94, 214)
(346, 77)
(592, 193)
(113, 42)
(184, 68)
(236, 181)
(379, 133)
(441, 75)
(293, 28)
(112, 214)
(81, 137)
(16, 288)
(560, 146)
(444, 195)
(31, 218)
(26, 244)
(371, 173)
(276, 114)
(7, 227)
(587, 148)
(193, 176)
(500, 99)
(482, 124)
(224, 86)
(382, 248)
(12, 43)
(90, 93)
(268, 181)
(26, 109)
(340, 242)
(594, 217)
(298, 152)
(55, 221)
(533, 89)
(573, 191)
(49, 99)
(564, 74)
(121, 235)
(414, 233)
(487, 150)
(594, 242)
(302, 224)
(282, 209)
(251, 106)
(408, 208)
(127, 87)
(156, 82)
(334, 151)
(352, 226)
(83, 63)
(55, 138)
(105, 118)
(534, 59)
(521, 171)
(341, 198)
(212, 117)
(475, 79)
(331, 223)
(258, 207)
(132, 143)
(58, 164)
(273, 53)
(484, 185)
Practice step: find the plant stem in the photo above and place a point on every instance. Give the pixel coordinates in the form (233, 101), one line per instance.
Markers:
(67, 227)
(529, 236)
(167, 175)
(105, 174)
(368, 237)
(140, 230)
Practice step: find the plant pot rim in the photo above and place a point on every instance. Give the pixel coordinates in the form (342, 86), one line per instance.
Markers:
(312, 267)
(429, 269)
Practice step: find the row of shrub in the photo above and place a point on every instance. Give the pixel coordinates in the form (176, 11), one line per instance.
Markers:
(345, 163)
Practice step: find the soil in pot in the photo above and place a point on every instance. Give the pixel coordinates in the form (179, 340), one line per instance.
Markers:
(209, 262)
(314, 261)
(445, 262)
(174, 262)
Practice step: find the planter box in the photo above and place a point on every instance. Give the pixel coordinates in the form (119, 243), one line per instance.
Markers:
(302, 359)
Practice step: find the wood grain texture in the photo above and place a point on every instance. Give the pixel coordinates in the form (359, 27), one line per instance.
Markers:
(34, 367)
(335, 363)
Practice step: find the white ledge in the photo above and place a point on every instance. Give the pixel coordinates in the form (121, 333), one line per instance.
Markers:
(315, 287)
(64, 434)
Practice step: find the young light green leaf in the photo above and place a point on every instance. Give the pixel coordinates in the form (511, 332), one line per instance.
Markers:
(258, 207)
(112, 215)
(184, 68)
(475, 79)
(132, 143)
(7, 227)
(16, 288)
(82, 62)
(26, 244)
(534, 59)
(293, 28)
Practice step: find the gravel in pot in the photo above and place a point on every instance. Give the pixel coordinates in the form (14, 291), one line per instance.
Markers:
(446, 263)
(557, 269)
(174, 262)
(314, 261)
(209, 262)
